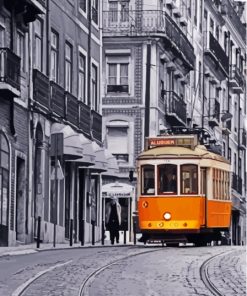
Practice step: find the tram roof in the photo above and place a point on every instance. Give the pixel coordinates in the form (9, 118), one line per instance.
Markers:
(200, 152)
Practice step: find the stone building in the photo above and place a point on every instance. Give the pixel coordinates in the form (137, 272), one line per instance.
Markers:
(50, 121)
(176, 63)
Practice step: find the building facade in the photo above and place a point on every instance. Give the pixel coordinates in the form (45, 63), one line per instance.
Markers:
(51, 123)
(173, 64)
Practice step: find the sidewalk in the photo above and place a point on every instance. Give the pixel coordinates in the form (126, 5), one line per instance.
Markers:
(32, 248)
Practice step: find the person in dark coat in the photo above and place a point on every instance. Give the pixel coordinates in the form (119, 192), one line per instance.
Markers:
(113, 219)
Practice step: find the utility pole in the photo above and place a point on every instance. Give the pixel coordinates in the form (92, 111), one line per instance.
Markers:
(147, 95)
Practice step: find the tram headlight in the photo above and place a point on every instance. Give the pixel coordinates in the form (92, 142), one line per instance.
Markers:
(167, 216)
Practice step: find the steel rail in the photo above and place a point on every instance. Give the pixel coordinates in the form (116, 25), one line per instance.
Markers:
(83, 288)
(206, 278)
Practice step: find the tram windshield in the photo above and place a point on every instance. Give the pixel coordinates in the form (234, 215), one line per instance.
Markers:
(167, 175)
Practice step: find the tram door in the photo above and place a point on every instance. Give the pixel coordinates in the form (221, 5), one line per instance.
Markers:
(203, 185)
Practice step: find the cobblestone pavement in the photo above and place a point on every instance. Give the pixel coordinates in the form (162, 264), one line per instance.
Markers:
(228, 273)
(166, 272)
(172, 272)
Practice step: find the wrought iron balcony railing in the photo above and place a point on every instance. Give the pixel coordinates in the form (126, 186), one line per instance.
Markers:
(72, 109)
(215, 50)
(57, 99)
(84, 118)
(176, 107)
(41, 88)
(237, 76)
(10, 66)
(96, 119)
(149, 23)
(237, 183)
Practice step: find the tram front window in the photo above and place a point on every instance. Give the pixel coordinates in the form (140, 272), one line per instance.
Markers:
(147, 186)
(189, 179)
(167, 179)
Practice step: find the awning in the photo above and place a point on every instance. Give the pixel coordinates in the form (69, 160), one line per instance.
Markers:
(119, 190)
(100, 159)
(112, 165)
(89, 156)
(72, 144)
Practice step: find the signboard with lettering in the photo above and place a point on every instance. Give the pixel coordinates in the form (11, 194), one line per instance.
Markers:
(185, 141)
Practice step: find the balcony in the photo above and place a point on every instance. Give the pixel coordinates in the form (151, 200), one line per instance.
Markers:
(153, 23)
(236, 79)
(217, 55)
(96, 120)
(57, 100)
(84, 118)
(227, 129)
(10, 65)
(237, 183)
(72, 110)
(214, 116)
(26, 10)
(242, 140)
(175, 109)
(41, 89)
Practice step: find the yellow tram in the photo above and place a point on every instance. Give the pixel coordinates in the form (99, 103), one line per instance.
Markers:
(183, 191)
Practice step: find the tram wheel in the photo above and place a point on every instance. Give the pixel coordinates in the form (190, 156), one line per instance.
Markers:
(172, 245)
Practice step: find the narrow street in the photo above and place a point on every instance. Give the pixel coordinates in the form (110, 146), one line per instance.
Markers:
(124, 270)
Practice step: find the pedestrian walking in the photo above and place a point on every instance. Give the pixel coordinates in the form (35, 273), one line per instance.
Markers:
(113, 219)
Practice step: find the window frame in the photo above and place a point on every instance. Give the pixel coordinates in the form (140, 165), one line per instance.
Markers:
(142, 183)
(94, 88)
(68, 62)
(55, 49)
(82, 71)
(38, 58)
(182, 179)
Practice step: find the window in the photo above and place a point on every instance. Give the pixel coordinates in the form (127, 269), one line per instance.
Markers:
(230, 154)
(212, 26)
(68, 67)
(203, 181)
(189, 179)
(235, 116)
(95, 7)
(82, 78)
(200, 79)
(118, 11)
(195, 15)
(118, 75)
(21, 49)
(200, 19)
(118, 139)
(167, 179)
(82, 5)
(147, 180)
(54, 56)
(94, 88)
(38, 37)
(2, 36)
(4, 179)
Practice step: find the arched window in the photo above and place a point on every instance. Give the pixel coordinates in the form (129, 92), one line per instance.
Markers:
(189, 179)
(4, 179)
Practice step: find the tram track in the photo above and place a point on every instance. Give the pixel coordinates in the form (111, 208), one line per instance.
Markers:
(205, 275)
(85, 284)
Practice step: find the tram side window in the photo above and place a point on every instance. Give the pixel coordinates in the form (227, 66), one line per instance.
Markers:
(167, 174)
(189, 179)
(147, 184)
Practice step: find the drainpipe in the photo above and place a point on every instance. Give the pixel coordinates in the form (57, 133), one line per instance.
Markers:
(48, 38)
(147, 95)
(89, 53)
(12, 35)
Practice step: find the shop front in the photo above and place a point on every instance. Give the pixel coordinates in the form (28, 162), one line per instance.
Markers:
(125, 194)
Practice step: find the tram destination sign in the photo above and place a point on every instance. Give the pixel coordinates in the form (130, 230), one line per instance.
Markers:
(184, 141)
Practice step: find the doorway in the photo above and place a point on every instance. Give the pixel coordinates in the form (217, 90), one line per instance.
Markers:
(20, 200)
